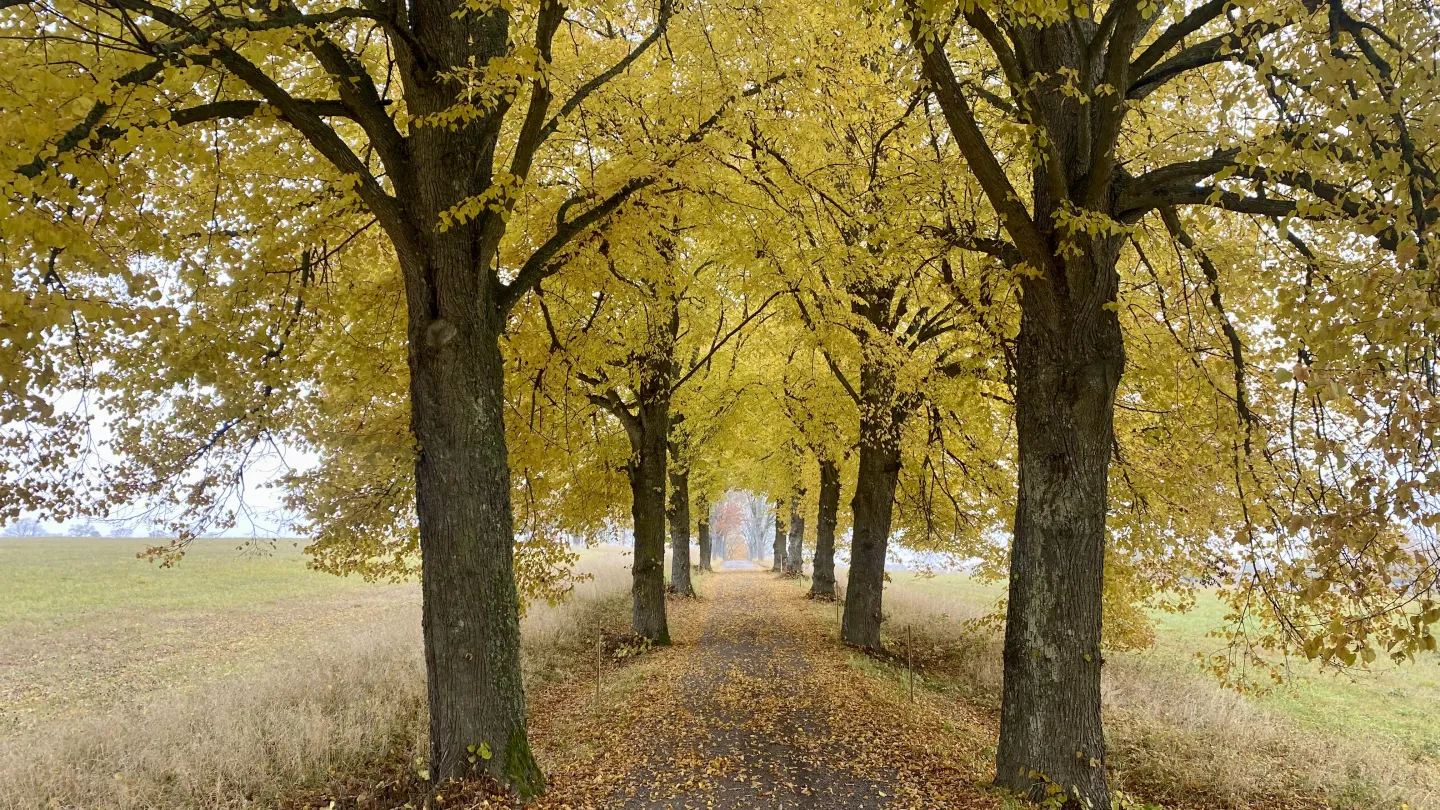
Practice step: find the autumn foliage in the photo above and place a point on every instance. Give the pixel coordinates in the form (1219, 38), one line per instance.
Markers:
(1117, 300)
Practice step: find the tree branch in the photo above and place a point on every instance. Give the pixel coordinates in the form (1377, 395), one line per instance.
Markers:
(697, 365)
(976, 150)
(552, 13)
(829, 359)
(542, 264)
(1176, 33)
(357, 90)
(662, 22)
(1107, 129)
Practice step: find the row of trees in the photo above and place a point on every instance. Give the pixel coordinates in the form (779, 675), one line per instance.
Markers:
(33, 527)
(1116, 298)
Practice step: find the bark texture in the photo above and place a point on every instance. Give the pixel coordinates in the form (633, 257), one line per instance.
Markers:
(1069, 359)
(822, 578)
(873, 506)
(679, 516)
(470, 615)
(795, 549)
(881, 418)
(647, 475)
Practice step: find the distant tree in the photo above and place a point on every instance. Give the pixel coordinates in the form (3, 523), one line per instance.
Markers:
(757, 524)
(24, 527)
(85, 529)
(122, 530)
(727, 519)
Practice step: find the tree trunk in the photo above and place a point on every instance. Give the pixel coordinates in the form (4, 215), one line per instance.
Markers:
(679, 516)
(470, 614)
(702, 534)
(873, 506)
(822, 579)
(647, 490)
(470, 617)
(795, 553)
(1069, 359)
(778, 556)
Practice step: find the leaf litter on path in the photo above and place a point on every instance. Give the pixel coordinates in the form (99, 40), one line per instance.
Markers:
(755, 706)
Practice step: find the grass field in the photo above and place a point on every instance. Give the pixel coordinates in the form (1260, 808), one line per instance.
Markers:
(231, 680)
(240, 675)
(1397, 703)
(1366, 740)
(87, 624)
(72, 580)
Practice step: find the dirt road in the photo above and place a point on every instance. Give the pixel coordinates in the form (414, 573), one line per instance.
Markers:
(758, 706)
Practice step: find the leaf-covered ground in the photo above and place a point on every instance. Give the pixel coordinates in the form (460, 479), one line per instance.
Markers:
(755, 706)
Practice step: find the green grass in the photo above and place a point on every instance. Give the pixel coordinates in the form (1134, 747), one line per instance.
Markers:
(70, 580)
(1395, 702)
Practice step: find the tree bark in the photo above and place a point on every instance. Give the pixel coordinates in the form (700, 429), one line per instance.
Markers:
(881, 418)
(470, 617)
(822, 578)
(647, 508)
(1069, 358)
(795, 553)
(702, 534)
(873, 505)
(647, 424)
(470, 614)
(778, 556)
(679, 516)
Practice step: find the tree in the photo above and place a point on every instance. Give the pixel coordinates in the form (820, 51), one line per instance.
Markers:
(757, 525)
(639, 329)
(795, 543)
(463, 161)
(84, 529)
(779, 553)
(822, 578)
(729, 518)
(1072, 187)
(678, 512)
(25, 527)
(702, 534)
(901, 311)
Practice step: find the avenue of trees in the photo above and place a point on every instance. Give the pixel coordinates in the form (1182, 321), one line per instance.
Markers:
(1114, 300)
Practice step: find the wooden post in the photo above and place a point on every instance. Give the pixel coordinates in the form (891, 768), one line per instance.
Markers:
(910, 657)
(599, 650)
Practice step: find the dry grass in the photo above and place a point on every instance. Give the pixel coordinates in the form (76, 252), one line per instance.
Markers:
(330, 708)
(1176, 736)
